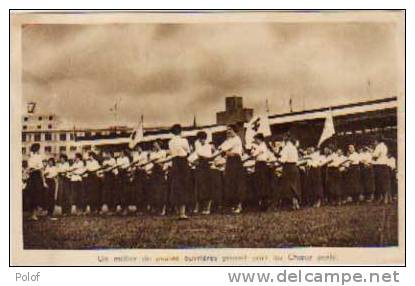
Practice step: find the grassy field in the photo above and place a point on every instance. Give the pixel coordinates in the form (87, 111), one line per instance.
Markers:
(354, 225)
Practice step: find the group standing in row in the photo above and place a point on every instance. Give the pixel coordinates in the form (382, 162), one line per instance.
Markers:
(202, 178)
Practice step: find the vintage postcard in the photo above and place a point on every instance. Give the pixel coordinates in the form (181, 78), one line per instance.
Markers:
(207, 138)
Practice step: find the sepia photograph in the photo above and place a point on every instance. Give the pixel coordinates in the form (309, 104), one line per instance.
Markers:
(207, 137)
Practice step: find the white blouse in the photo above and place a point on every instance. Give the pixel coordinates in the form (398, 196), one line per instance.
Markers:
(51, 172)
(380, 154)
(123, 162)
(203, 150)
(35, 161)
(78, 169)
(260, 152)
(354, 158)
(289, 153)
(232, 145)
(179, 146)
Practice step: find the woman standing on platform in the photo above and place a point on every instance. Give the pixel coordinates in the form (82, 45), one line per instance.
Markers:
(180, 176)
(36, 183)
(234, 176)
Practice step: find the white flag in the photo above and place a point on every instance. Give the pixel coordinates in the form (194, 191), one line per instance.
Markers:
(258, 124)
(328, 130)
(137, 135)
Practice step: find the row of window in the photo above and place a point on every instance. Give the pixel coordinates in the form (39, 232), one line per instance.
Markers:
(37, 137)
(48, 149)
(38, 127)
(40, 118)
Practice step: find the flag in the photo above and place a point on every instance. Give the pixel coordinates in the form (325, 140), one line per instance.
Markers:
(328, 130)
(194, 121)
(258, 124)
(137, 135)
(209, 137)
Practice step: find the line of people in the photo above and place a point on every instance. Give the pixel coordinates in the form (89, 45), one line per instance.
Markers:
(203, 178)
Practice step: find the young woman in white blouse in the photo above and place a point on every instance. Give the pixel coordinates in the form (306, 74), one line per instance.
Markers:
(92, 184)
(156, 184)
(51, 174)
(382, 171)
(180, 176)
(77, 187)
(203, 172)
(290, 184)
(368, 177)
(353, 186)
(234, 176)
(262, 176)
(36, 184)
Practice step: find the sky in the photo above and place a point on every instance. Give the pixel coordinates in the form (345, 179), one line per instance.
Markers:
(170, 73)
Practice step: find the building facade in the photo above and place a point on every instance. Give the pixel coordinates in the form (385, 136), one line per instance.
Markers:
(234, 112)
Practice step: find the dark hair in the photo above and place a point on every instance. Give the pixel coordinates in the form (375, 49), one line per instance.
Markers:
(201, 135)
(234, 127)
(51, 159)
(35, 147)
(259, 136)
(176, 129)
(63, 156)
(93, 155)
(78, 155)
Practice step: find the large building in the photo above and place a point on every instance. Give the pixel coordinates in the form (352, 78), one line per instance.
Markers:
(234, 112)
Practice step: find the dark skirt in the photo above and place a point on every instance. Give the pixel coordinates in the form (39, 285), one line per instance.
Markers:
(262, 181)
(290, 185)
(77, 194)
(181, 192)
(394, 182)
(64, 193)
(314, 184)
(251, 196)
(235, 180)
(334, 182)
(140, 195)
(368, 180)
(108, 189)
(352, 180)
(203, 181)
(157, 187)
(92, 192)
(50, 195)
(217, 186)
(122, 183)
(382, 179)
(35, 189)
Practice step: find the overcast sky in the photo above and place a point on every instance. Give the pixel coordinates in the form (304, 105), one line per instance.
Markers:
(171, 72)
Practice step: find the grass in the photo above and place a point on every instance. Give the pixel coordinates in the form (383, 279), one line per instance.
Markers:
(369, 225)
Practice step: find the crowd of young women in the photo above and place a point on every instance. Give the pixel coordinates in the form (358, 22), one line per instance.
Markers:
(205, 178)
